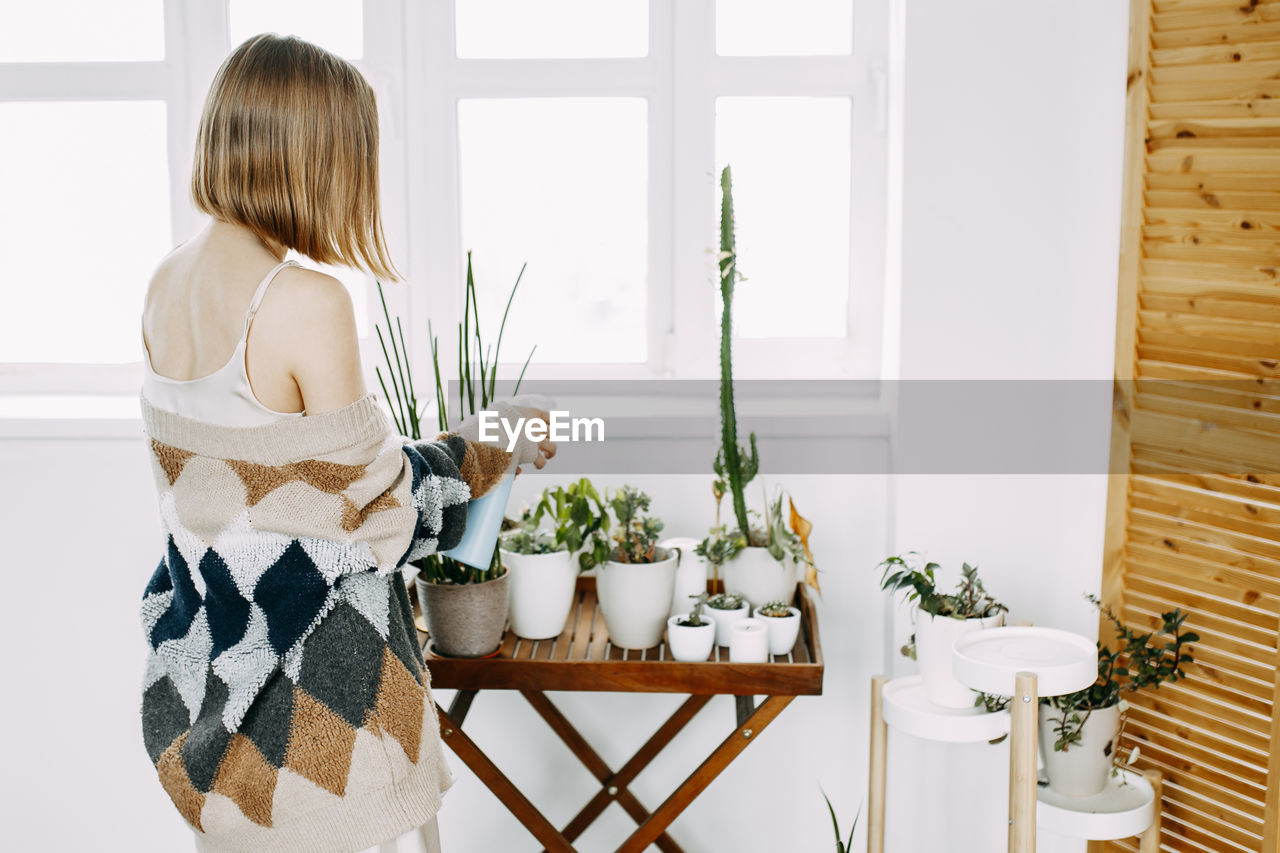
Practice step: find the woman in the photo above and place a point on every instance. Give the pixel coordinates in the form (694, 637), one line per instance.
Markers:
(285, 703)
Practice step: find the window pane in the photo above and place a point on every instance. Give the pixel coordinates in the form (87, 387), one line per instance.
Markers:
(561, 184)
(791, 165)
(524, 29)
(81, 30)
(335, 25)
(85, 219)
(793, 28)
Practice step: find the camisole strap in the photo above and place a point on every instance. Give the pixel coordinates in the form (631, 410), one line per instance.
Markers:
(261, 292)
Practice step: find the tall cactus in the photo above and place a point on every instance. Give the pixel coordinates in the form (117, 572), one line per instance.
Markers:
(733, 464)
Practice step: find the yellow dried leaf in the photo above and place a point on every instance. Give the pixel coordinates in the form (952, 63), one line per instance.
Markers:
(802, 527)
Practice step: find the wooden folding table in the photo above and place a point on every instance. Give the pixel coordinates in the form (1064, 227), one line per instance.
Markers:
(581, 658)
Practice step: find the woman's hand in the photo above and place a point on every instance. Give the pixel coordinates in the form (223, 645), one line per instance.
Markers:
(546, 447)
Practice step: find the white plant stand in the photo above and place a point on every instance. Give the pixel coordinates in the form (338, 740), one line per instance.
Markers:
(1128, 806)
(1023, 663)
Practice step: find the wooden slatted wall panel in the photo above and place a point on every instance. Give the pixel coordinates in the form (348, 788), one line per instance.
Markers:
(1196, 522)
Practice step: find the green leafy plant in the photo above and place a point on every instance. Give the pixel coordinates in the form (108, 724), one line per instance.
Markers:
(719, 548)
(575, 512)
(526, 541)
(918, 579)
(1137, 661)
(477, 388)
(775, 609)
(735, 466)
(694, 618)
(845, 845)
(635, 534)
(725, 601)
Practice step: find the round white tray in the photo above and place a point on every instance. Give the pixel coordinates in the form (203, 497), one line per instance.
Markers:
(907, 710)
(1125, 808)
(990, 660)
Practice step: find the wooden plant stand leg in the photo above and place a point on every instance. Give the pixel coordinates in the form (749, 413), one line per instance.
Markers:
(1024, 712)
(497, 782)
(1149, 841)
(705, 774)
(879, 767)
(614, 785)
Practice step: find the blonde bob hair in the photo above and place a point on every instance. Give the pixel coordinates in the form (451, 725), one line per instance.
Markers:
(288, 148)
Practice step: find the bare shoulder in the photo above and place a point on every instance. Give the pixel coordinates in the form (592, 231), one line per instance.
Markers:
(314, 301)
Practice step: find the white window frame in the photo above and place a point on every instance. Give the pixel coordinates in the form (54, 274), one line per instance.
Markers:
(680, 77)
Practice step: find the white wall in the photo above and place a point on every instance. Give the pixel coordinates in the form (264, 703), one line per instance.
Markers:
(1014, 115)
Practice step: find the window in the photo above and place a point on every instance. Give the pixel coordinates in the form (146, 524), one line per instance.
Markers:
(581, 138)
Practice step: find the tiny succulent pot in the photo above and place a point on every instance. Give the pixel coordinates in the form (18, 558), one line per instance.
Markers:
(465, 620)
(783, 630)
(690, 642)
(935, 644)
(542, 587)
(758, 577)
(724, 620)
(1082, 769)
(635, 599)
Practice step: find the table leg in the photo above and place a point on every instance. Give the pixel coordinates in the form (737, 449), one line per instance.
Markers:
(704, 775)
(502, 787)
(1150, 838)
(1024, 725)
(879, 767)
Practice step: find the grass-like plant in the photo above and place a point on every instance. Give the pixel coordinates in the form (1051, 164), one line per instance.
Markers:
(844, 845)
(477, 372)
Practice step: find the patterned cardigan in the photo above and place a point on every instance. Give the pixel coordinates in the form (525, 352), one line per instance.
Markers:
(285, 703)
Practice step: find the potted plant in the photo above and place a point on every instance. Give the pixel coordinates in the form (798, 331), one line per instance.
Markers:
(634, 576)
(542, 563)
(760, 561)
(727, 608)
(691, 635)
(1080, 732)
(842, 845)
(783, 622)
(940, 619)
(464, 606)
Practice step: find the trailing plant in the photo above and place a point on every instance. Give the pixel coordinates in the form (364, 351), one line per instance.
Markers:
(845, 845)
(775, 609)
(736, 466)
(725, 601)
(477, 371)
(635, 536)
(1136, 662)
(694, 618)
(575, 512)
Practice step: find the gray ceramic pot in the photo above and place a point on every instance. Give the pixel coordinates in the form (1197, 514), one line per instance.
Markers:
(464, 620)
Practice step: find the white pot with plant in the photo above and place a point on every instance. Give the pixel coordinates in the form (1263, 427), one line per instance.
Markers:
(725, 609)
(940, 619)
(543, 563)
(691, 635)
(1080, 732)
(634, 577)
(760, 562)
(783, 622)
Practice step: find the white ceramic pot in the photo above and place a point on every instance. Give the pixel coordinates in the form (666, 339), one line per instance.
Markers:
(935, 640)
(691, 574)
(1083, 768)
(756, 576)
(724, 620)
(635, 598)
(690, 642)
(541, 592)
(749, 641)
(783, 630)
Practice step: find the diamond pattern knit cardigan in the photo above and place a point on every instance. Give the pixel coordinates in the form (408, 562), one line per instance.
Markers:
(285, 703)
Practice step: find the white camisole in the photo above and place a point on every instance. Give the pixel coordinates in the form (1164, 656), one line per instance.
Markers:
(223, 397)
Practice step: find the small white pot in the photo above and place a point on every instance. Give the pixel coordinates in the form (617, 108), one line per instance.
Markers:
(749, 642)
(690, 642)
(935, 643)
(691, 574)
(783, 630)
(756, 576)
(635, 599)
(724, 620)
(1083, 768)
(541, 592)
